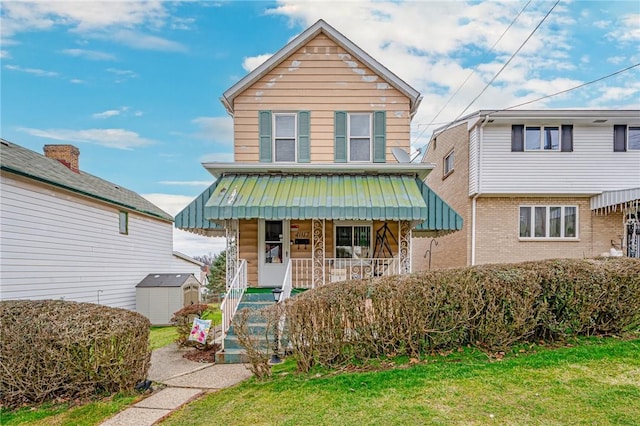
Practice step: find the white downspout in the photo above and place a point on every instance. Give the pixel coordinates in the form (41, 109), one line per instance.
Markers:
(475, 197)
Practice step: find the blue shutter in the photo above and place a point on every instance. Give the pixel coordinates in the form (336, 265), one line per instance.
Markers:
(264, 132)
(380, 137)
(304, 149)
(567, 138)
(340, 127)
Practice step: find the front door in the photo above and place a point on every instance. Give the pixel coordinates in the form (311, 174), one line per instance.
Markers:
(273, 252)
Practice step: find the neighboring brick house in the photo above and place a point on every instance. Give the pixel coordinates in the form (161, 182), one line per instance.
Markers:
(66, 234)
(315, 193)
(536, 184)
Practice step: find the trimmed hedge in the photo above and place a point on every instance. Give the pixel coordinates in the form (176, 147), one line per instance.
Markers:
(490, 306)
(55, 349)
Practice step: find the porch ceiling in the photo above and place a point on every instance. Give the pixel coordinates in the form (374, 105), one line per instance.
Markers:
(322, 196)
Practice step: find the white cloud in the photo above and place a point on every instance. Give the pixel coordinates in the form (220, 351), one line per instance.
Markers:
(77, 81)
(111, 138)
(627, 30)
(252, 62)
(126, 22)
(93, 55)
(110, 113)
(215, 129)
(4, 54)
(122, 75)
(35, 71)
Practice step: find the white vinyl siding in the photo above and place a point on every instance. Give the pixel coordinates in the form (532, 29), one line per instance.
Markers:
(56, 245)
(591, 167)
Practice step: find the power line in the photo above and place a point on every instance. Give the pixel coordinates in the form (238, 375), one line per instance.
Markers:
(573, 88)
(509, 61)
(476, 68)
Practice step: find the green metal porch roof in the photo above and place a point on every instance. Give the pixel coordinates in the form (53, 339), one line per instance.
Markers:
(322, 196)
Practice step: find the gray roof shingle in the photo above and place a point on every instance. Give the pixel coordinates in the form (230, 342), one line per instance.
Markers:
(24, 162)
(164, 280)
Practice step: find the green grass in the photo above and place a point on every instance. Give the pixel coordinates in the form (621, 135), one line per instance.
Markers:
(92, 413)
(595, 382)
(162, 336)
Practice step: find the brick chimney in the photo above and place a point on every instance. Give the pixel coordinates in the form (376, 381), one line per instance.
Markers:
(66, 154)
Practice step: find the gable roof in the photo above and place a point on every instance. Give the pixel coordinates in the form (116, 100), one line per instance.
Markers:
(320, 26)
(165, 280)
(24, 162)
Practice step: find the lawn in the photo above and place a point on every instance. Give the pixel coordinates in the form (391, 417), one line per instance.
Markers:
(594, 382)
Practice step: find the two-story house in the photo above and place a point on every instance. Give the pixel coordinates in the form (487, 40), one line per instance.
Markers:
(315, 193)
(67, 234)
(536, 184)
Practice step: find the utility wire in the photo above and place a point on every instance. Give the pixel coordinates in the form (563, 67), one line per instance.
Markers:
(509, 61)
(475, 69)
(560, 92)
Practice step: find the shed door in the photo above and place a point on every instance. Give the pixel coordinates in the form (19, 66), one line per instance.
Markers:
(191, 295)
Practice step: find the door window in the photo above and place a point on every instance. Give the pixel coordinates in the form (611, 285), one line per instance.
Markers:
(273, 241)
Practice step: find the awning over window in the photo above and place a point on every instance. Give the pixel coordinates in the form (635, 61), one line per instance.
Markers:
(611, 201)
(333, 197)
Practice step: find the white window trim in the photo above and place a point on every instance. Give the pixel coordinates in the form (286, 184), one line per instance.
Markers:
(295, 137)
(629, 127)
(547, 221)
(541, 145)
(337, 223)
(349, 114)
(445, 172)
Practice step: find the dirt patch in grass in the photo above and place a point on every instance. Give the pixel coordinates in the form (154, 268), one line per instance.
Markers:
(204, 355)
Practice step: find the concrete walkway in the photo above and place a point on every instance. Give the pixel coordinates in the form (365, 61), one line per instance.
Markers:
(185, 381)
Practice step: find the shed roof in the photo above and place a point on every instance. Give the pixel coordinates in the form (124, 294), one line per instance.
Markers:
(24, 162)
(165, 280)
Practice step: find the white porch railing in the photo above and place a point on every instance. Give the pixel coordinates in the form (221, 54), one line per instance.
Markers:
(233, 297)
(287, 284)
(338, 269)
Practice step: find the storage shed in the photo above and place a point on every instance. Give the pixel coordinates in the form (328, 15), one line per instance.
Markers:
(159, 296)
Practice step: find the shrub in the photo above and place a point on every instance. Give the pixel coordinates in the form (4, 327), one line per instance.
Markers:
(489, 306)
(183, 320)
(59, 349)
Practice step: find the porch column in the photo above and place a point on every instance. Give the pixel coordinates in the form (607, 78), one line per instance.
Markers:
(404, 252)
(231, 226)
(317, 251)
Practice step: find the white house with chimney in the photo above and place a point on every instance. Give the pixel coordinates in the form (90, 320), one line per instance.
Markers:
(66, 234)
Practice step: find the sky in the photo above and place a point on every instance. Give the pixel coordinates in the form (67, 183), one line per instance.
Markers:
(136, 85)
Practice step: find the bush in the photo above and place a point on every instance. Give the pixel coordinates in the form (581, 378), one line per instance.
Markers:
(183, 320)
(58, 349)
(489, 306)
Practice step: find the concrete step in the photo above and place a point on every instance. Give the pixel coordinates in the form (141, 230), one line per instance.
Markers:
(231, 341)
(232, 356)
(255, 328)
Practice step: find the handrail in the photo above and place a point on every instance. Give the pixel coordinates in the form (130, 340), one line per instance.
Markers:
(233, 297)
(287, 283)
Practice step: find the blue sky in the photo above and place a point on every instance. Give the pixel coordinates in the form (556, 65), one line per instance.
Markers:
(136, 85)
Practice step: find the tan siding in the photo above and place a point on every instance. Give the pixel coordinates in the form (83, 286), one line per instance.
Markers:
(321, 78)
(453, 249)
(248, 242)
(497, 238)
